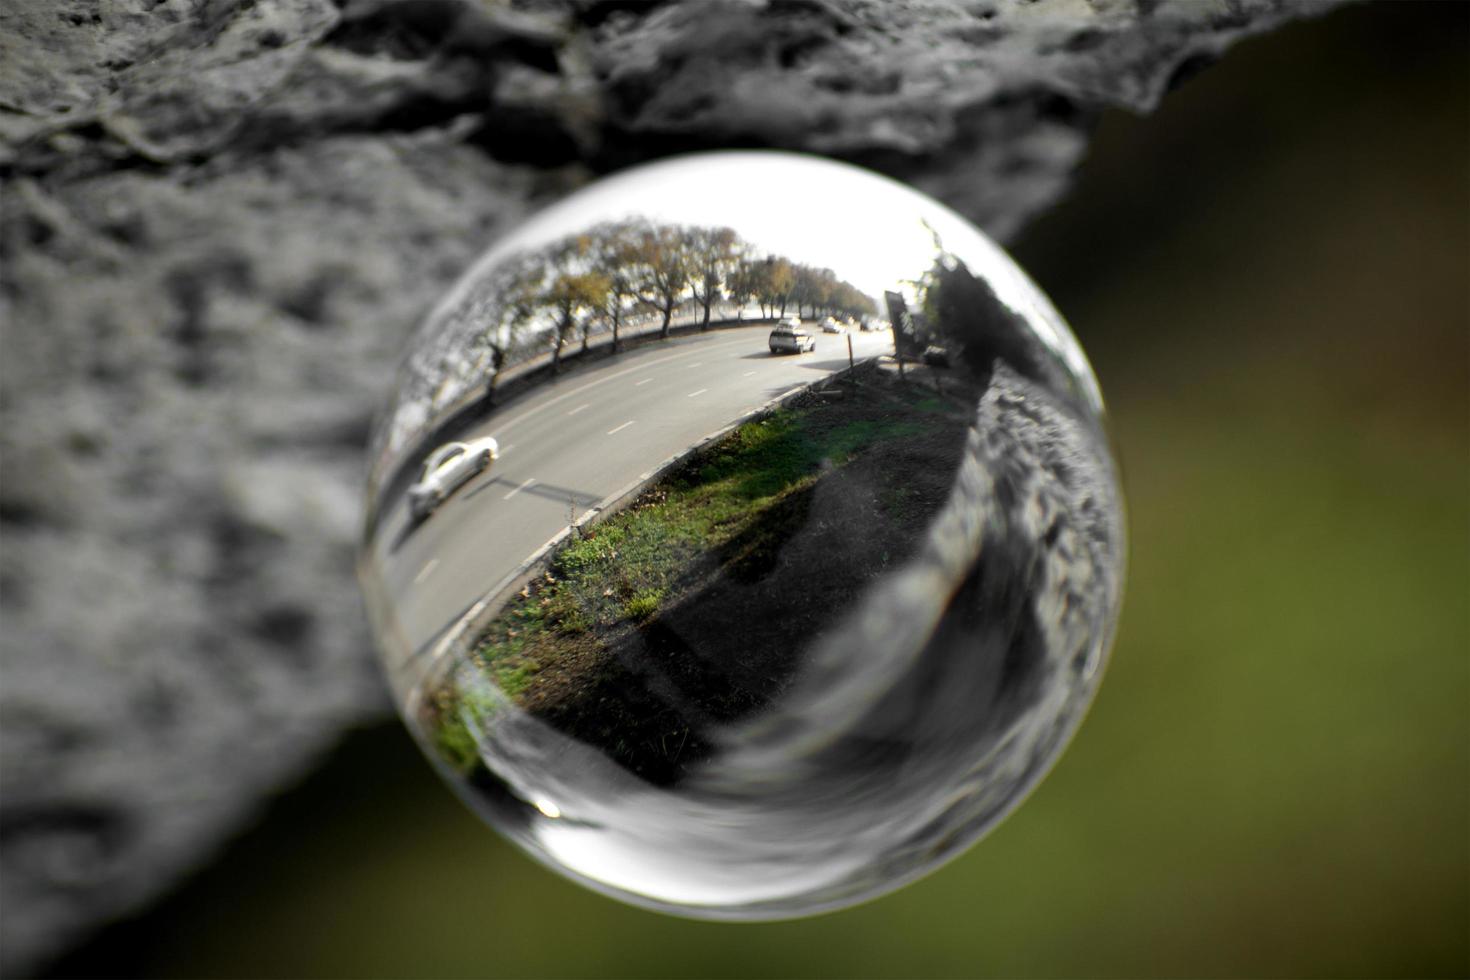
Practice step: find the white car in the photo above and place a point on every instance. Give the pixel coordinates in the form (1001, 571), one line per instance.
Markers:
(447, 469)
(830, 325)
(788, 340)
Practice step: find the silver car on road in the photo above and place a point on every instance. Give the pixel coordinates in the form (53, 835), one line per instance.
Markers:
(447, 469)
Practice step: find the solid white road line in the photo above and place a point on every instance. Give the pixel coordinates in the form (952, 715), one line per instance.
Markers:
(518, 489)
(578, 409)
(620, 428)
(696, 394)
(425, 571)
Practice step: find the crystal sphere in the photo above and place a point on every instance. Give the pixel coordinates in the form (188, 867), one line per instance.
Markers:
(743, 539)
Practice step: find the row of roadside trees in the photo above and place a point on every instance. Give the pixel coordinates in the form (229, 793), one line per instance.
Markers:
(598, 279)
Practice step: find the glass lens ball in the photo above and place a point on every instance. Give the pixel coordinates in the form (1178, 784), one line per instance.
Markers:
(743, 537)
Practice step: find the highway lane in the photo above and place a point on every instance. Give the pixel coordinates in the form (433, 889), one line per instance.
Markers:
(571, 444)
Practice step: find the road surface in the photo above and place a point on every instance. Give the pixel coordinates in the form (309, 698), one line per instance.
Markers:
(568, 446)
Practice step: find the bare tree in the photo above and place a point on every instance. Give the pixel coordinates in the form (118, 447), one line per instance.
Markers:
(574, 290)
(804, 289)
(660, 269)
(614, 249)
(777, 277)
(503, 304)
(714, 253)
(744, 282)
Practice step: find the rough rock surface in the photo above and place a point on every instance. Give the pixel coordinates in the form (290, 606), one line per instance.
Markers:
(218, 221)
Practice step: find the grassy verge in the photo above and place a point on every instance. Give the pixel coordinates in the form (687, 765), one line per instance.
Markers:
(690, 608)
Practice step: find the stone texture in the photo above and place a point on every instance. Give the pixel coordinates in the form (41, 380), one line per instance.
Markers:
(218, 222)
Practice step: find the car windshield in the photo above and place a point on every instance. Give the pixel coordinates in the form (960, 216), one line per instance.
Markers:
(441, 457)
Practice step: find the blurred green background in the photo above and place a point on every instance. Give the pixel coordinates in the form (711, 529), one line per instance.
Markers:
(1270, 275)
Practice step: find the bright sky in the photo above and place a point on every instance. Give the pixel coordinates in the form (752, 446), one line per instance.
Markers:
(868, 229)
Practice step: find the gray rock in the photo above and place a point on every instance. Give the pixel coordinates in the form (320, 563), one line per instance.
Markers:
(220, 221)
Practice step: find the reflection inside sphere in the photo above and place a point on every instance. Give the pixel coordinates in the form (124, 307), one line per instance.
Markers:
(743, 537)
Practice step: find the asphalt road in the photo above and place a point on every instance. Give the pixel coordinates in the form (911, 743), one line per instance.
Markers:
(570, 445)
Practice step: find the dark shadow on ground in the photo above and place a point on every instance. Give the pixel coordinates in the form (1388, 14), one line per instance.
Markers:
(411, 524)
(828, 366)
(486, 485)
(550, 491)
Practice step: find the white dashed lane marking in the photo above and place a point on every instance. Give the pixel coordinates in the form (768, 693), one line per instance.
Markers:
(620, 428)
(535, 410)
(426, 571)
(643, 382)
(696, 394)
(578, 409)
(519, 489)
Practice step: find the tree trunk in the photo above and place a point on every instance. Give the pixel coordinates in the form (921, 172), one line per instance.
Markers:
(497, 364)
(668, 315)
(561, 339)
